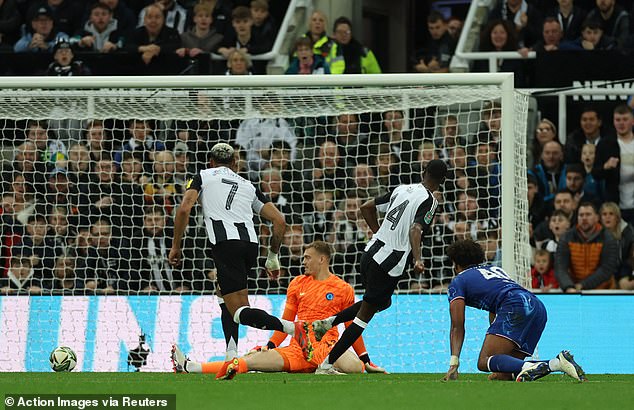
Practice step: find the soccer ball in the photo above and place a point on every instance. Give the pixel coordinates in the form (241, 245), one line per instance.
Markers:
(63, 359)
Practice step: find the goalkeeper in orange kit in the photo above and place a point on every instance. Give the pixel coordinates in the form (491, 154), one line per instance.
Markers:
(316, 294)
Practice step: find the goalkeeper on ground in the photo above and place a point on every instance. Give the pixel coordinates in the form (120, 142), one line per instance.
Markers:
(316, 294)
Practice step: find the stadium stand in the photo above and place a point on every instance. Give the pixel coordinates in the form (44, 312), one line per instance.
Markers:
(63, 171)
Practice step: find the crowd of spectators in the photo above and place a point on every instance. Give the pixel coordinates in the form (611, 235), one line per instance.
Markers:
(87, 206)
(549, 26)
(141, 31)
(593, 170)
(531, 25)
(581, 198)
(93, 212)
(150, 35)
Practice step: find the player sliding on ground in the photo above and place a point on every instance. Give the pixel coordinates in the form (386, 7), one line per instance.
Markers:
(396, 242)
(517, 319)
(228, 203)
(315, 294)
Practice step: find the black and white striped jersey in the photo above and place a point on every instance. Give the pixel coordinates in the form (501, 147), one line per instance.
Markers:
(390, 246)
(228, 202)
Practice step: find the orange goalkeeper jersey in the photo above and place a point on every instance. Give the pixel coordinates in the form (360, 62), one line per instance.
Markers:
(312, 299)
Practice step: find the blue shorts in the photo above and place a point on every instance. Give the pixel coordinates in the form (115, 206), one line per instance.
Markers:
(522, 319)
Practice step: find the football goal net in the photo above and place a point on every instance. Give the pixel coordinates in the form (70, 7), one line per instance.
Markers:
(94, 169)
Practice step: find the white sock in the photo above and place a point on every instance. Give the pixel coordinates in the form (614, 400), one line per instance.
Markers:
(554, 365)
(193, 367)
(236, 315)
(232, 349)
(289, 327)
(359, 323)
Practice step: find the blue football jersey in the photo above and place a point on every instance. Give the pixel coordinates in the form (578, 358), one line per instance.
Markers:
(483, 287)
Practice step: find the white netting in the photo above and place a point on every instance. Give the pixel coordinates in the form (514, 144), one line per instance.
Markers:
(521, 230)
(91, 200)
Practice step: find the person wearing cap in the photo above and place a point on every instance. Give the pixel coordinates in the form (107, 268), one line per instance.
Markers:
(64, 63)
(42, 35)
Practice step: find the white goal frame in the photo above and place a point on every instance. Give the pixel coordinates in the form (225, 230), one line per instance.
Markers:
(510, 211)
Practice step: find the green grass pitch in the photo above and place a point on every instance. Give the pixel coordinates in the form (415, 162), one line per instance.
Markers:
(307, 391)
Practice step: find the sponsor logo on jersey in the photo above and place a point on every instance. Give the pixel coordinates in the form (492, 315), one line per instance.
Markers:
(429, 216)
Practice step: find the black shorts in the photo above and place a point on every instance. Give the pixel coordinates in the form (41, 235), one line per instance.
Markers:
(234, 260)
(379, 286)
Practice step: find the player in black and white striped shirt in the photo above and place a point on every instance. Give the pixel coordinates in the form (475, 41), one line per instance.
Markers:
(407, 209)
(228, 203)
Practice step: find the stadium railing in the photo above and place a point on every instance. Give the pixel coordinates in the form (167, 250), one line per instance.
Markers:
(463, 56)
(278, 56)
(562, 100)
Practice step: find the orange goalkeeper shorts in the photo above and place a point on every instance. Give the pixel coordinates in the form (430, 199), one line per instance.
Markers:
(294, 360)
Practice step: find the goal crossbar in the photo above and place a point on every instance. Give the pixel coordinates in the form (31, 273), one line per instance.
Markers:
(200, 81)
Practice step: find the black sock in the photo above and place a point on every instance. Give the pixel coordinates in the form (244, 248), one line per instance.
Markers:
(347, 314)
(365, 358)
(260, 319)
(349, 336)
(229, 327)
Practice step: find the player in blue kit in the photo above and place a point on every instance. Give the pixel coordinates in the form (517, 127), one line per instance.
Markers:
(517, 319)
